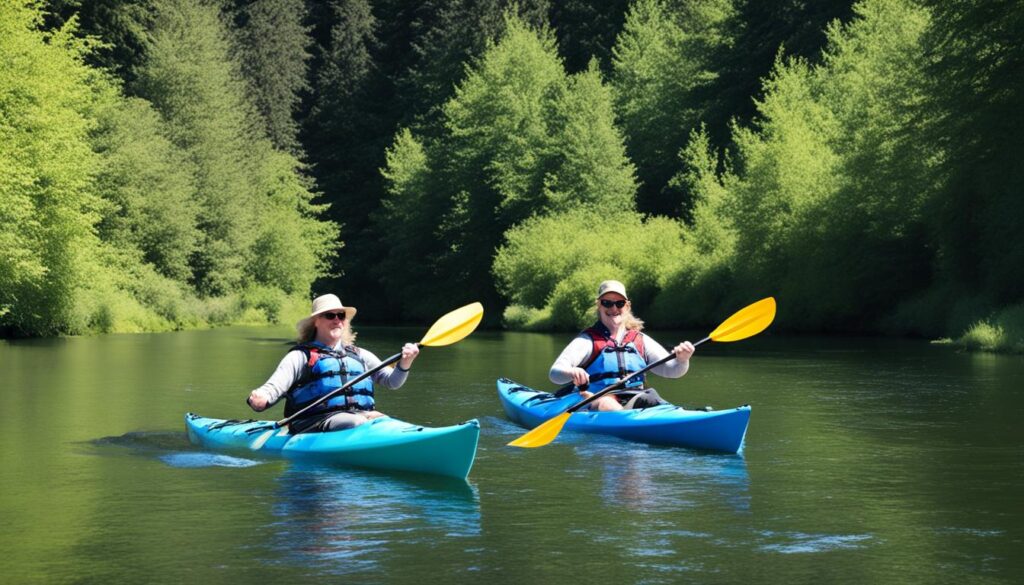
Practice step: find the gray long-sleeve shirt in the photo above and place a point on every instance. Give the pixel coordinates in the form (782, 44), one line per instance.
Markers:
(291, 366)
(581, 346)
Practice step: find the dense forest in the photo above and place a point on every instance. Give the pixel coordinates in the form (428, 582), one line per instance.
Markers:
(181, 163)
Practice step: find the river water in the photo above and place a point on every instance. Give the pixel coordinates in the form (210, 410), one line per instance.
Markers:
(866, 461)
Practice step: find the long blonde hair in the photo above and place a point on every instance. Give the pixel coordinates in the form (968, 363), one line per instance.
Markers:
(629, 320)
(307, 332)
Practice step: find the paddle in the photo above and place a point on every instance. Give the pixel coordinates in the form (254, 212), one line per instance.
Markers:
(447, 330)
(746, 322)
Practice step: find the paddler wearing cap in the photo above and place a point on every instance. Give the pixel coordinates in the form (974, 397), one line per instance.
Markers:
(324, 359)
(612, 348)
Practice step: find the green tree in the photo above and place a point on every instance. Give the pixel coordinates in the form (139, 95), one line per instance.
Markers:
(149, 184)
(825, 201)
(548, 267)
(345, 134)
(661, 65)
(377, 69)
(586, 30)
(119, 25)
(443, 37)
(759, 30)
(47, 208)
(975, 90)
(192, 81)
(273, 51)
(521, 138)
(293, 246)
(242, 185)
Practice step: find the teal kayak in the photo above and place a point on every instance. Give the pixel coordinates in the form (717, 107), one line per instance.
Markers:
(667, 424)
(382, 443)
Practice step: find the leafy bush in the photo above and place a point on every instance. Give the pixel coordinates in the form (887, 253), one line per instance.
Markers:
(522, 318)
(555, 262)
(1004, 332)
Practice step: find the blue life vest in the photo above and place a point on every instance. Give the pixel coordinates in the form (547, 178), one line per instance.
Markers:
(325, 371)
(610, 361)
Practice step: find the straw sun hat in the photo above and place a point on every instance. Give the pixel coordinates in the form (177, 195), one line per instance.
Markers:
(325, 303)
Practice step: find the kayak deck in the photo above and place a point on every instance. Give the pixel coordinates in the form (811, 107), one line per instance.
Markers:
(667, 424)
(382, 443)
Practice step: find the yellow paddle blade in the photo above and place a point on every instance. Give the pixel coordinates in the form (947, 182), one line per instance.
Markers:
(454, 326)
(542, 434)
(746, 322)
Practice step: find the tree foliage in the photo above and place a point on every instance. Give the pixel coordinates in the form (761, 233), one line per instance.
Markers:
(516, 143)
(662, 62)
(549, 263)
(975, 90)
(273, 43)
(859, 161)
(47, 207)
(117, 211)
(825, 202)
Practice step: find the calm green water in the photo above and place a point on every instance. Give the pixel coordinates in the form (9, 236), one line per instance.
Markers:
(866, 462)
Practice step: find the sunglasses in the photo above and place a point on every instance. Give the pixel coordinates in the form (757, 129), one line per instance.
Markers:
(332, 316)
(609, 304)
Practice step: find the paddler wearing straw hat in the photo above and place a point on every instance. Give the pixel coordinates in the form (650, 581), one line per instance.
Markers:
(324, 359)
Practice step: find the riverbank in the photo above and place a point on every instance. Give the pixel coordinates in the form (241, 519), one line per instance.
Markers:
(1003, 332)
(179, 311)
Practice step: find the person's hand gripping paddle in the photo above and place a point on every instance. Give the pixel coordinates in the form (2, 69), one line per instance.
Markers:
(447, 330)
(745, 323)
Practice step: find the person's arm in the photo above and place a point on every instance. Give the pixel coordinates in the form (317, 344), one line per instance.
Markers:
(566, 367)
(287, 372)
(674, 368)
(389, 377)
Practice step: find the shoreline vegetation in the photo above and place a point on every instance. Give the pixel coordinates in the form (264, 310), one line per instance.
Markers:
(178, 164)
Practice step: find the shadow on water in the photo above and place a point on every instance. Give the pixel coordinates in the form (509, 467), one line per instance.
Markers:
(350, 521)
(170, 447)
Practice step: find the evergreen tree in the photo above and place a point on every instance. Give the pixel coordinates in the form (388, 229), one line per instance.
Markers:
(587, 30)
(660, 74)
(120, 26)
(759, 31)
(192, 81)
(825, 201)
(273, 51)
(149, 184)
(520, 138)
(345, 134)
(443, 37)
(974, 113)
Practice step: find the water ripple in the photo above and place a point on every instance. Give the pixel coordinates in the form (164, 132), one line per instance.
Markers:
(188, 460)
(801, 542)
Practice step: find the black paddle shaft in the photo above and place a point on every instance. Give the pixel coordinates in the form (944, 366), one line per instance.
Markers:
(622, 381)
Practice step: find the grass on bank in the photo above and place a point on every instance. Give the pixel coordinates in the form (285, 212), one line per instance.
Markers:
(1003, 332)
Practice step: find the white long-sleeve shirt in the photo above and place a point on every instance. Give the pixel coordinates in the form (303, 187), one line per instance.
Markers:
(580, 348)
(291, 366)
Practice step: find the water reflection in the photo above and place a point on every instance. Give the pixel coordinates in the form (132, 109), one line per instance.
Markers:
(349, 521)
(655, 480)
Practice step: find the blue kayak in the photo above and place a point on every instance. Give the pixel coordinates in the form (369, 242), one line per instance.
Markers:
(667, 424)
(382, 443)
